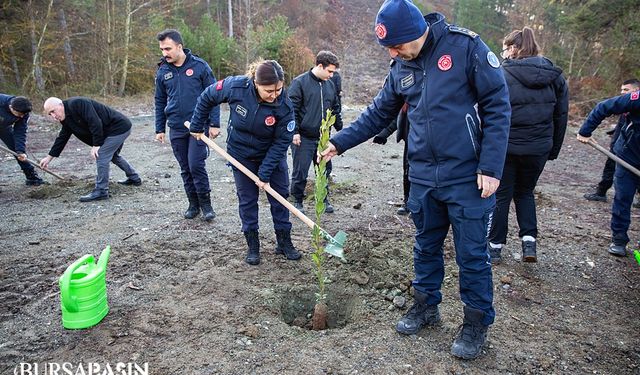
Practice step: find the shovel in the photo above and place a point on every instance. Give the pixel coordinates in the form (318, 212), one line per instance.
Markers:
(335, 245)
(32, 163)
(613, 157)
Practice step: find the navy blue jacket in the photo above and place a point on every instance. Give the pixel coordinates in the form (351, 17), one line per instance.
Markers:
(90, 121)
(178, 89)
(539, 106)
(449, 141)
(19, 124)
(256, 131)
(627, 146)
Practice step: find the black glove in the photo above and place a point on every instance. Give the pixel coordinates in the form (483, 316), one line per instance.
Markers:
(379, 140)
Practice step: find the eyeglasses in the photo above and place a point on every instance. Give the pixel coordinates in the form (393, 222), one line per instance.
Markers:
(502, 54)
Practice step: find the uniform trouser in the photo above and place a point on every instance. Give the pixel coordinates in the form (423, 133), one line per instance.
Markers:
(248, 192)
(6, 135)
(626, 183)
(607, 176)
(191, 155)
(433, 210)
(110, 152)
(519, 178)
(303, 156)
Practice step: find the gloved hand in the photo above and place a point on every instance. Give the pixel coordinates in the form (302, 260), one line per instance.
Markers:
(379, 140)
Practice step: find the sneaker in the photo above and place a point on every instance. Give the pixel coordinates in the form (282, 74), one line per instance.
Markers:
(595, 197)
(495, 253)
(618, 250)
(529, 251)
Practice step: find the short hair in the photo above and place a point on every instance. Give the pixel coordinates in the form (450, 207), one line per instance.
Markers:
(21, 104)
(633, 82)
(524, 41)
(172, 34)
(266, 72)
(327, 58)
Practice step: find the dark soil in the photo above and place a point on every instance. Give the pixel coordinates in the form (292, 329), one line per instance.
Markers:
(183, 301)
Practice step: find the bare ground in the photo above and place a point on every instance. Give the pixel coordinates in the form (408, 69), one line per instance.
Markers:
(183, 301)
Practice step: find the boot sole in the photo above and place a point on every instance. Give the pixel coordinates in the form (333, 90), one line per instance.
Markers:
(530, 259)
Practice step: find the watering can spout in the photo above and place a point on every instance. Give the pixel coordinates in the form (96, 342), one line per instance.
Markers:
(104, 258)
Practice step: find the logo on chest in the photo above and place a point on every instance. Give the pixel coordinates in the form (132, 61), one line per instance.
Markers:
(270, 120)
(168, 76)
(189, 72)
(407, 81)
(635, 95)
(242, 111)
(445, 63)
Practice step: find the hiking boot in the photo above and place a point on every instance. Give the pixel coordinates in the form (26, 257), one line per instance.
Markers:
(208, 213)
(285, 246)
(253, 254)
(472, 335)
(328, 208)
(299, 206)
(194, 206)
(529, 251)
(618, 250)
(403, 210)
(95, 195)
(32, 179)
(130, 182)
(418, 316)
(495, 253)
(595, 197)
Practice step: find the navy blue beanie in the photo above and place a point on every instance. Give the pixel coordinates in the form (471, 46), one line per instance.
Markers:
(398, 22)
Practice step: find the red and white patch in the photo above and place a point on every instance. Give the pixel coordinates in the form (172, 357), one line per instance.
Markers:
(445, 63)
(635, 95)
(219, 85)
(270, 120)
(381, 31)
(189, 72)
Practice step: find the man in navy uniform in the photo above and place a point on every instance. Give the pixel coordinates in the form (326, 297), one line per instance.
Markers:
(180, 79)
(627, 147)
(14, 116)
(459, 114)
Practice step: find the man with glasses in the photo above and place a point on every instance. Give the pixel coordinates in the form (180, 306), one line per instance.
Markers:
(14, 116)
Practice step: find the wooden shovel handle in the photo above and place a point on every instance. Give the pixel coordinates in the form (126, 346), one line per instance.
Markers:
(32, 163)
(613, 157)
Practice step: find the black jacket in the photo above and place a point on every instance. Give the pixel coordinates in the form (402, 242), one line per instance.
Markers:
(90, 121)
(311, 97)
(539, 104)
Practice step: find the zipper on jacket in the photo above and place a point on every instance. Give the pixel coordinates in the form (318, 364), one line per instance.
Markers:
(321, 102)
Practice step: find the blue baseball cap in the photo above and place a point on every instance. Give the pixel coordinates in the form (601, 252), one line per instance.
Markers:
(398, 22)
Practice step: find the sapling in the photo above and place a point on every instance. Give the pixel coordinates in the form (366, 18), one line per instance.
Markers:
(319, 319)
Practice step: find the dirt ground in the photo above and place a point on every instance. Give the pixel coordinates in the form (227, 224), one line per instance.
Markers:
(183, 301)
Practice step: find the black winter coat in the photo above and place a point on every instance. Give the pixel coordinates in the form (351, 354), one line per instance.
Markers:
(539, 105)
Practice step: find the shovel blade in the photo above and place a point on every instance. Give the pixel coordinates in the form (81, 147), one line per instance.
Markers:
(335, 245)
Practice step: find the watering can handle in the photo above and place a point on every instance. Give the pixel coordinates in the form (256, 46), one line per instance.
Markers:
(70, 302)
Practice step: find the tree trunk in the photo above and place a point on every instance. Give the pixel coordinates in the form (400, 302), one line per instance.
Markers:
(68, 55)
(230, 19)
(3, 79)
(125, 58)
(36, 71)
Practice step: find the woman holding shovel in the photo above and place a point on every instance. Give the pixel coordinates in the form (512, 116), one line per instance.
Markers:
(261, 124)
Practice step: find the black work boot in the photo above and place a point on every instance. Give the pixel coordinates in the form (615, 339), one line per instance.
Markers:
(328, 208)
(95, 195)
(617, 249)
(472, 335)
(599, 195)
(403, 209)
(205, 204)
(194, 206)
(253, 254)
(285, 246)
(32, 179)
(529, 251)
(418, 316)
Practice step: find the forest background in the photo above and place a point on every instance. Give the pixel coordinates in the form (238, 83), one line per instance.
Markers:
(108, 48)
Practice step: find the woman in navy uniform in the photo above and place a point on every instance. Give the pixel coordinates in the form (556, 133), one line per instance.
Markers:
(261, 125)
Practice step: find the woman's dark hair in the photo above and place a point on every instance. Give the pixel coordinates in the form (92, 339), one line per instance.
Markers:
(266, 72)
(524, 41)
(171, 34)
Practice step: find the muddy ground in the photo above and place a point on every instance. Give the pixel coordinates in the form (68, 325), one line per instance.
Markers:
(183, 301)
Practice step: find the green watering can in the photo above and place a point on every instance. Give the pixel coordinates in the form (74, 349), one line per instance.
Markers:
(83, 292)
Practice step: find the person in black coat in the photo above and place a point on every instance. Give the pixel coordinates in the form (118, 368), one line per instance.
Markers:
(539, 105)
(99, 126)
